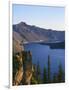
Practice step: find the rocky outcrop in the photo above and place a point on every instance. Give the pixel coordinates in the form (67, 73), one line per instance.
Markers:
(27, 67)
(22, 68)
(18, 75)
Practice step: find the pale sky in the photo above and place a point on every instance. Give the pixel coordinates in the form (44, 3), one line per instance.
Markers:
(41, 16)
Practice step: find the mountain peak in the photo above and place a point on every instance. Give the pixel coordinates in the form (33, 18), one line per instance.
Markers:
(23, 23)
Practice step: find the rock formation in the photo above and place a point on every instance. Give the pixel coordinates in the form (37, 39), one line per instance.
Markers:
(23, 72)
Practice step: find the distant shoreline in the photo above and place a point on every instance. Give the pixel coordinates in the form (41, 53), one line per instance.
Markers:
(55, 45)
(52, 45)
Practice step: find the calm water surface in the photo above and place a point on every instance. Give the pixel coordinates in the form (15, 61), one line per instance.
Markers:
(40, 53)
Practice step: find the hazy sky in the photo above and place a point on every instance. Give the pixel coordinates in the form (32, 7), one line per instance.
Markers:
(42, 16)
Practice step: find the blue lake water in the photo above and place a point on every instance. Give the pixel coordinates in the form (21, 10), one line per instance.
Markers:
(40, 53)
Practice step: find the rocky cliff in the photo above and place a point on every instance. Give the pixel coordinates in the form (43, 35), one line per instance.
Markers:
(22, 68)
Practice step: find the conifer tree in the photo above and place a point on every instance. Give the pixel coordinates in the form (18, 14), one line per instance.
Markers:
(48, 68)
(54, 78)
(60, 73)
(38, 73)
(44, 75)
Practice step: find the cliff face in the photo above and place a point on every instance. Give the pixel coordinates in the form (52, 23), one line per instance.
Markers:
(17, 69)
(27, 67)
(22, 68)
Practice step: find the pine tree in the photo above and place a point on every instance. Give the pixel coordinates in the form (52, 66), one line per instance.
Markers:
(44, 75)
(38, 73)
(54, 78)
(60, 73)
(48, 68)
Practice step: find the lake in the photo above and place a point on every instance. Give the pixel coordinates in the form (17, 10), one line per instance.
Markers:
(40, 54)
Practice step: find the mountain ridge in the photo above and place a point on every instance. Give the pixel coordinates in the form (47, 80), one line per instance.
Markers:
(38, 33)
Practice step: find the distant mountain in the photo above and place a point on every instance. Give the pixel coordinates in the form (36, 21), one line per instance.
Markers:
(25, 32)
(32, 33)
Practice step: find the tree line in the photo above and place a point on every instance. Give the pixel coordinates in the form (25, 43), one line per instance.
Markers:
(37, 78)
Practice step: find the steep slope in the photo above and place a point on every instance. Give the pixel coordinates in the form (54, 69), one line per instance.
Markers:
(16, 42)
